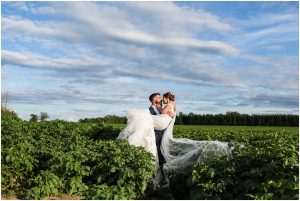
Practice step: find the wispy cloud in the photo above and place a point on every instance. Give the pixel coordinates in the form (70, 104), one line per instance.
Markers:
(106, 54)
(30, 60)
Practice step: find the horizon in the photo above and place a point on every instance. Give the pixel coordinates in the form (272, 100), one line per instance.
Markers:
(77, 60)
(38, 115)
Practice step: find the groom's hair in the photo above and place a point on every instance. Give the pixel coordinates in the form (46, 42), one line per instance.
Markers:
(152, 96)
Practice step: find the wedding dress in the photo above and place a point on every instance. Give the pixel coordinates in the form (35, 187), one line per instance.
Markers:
(180, 153)
(140, 129)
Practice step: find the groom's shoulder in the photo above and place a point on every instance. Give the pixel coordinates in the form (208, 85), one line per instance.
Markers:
(152, 111)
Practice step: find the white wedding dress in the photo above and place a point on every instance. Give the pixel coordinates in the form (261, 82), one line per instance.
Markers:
(140, 129)
(180, 153)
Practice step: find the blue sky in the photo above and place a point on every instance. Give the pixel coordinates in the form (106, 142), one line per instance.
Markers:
(89, 59)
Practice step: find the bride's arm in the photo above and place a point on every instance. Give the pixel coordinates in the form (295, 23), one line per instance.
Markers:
(165, 110)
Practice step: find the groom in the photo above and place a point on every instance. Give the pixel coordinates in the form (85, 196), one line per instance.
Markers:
(155, 100)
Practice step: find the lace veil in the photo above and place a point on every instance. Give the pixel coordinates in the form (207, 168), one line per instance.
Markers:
(182, 153)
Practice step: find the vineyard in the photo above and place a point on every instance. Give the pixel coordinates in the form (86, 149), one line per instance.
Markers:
(53, 158)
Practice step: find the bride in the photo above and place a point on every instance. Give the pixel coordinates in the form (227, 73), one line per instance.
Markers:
(179, 153)
(141, 124)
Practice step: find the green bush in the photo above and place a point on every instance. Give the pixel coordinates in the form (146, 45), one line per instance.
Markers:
(265, 168)
(105, 132)
(56, 157)
(117, 165)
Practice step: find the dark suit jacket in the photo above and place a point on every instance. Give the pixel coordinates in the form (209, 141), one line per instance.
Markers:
(158, 138)
(152, 111)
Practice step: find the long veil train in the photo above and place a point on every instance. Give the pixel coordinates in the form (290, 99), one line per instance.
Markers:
(182, 153)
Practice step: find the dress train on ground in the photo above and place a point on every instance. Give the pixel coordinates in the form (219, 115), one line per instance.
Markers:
(180, 153)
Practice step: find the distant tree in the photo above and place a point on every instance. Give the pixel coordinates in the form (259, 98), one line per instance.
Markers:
(34, 118)
(5, 111)
(4, 101)
(179, 119)
(109, 119)
(44, 116)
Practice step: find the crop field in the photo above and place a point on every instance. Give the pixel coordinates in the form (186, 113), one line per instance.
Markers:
(59, 158)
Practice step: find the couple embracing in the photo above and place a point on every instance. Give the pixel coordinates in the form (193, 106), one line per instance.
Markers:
(157, 109)
(153, 129)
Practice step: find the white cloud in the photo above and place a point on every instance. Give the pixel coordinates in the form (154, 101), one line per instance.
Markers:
(95, 25)
(31, 60)
(116, 53)
(274, 47)
(268, 19)
(17, 25)
(264, 29)
(166, 16)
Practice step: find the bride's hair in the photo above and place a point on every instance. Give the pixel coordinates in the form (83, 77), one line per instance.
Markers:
(170, 96)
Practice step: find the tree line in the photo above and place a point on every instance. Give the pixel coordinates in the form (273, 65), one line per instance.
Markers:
(230, 118)
(109, 119)
(237, 119)
(35, 118)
